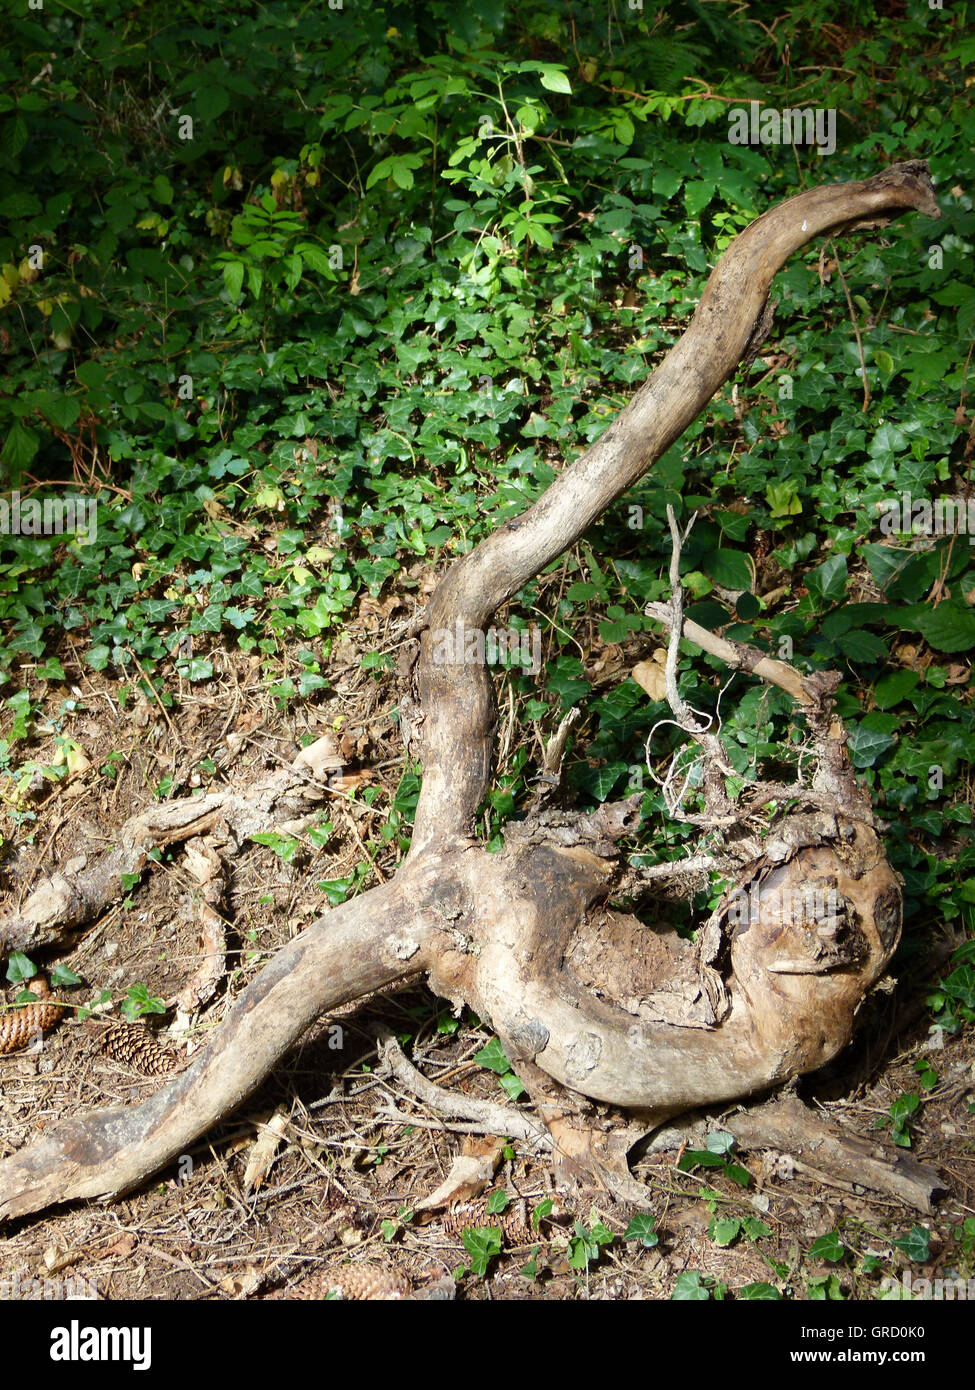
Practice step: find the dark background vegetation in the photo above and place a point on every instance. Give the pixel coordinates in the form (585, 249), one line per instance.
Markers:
(327, 295)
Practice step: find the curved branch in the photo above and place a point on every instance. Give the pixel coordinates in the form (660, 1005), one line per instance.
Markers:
(366, 943)
(458, 698)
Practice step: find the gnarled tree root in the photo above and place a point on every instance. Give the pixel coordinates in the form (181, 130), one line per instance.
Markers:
(521, 936)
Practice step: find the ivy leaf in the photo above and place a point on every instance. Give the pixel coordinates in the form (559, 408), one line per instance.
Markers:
(641, 1228)
(917, 1245)
(688, 1288)
(732, 569)
(482, 1243)
(19, 968)
(867, 744)
(828, 1247)
(828, 580)
(493, 1057)
(195, 668)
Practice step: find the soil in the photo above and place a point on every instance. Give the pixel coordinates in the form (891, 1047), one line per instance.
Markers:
(335, 1182)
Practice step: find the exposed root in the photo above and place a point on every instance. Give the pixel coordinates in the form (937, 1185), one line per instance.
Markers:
(804, 1141)
(487, 1116)
(771, 992)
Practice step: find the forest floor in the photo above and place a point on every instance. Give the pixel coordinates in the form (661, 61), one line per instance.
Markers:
(336, 1184)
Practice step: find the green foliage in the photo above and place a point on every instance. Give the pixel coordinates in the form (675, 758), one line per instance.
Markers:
(305, 302)
(494, 1059)
(642, 1228)
(828, 1247)
(916, 1245)
(953, 1003)
(483, 1244)
(586, 1243)
(898, 1116)
(717, 1154)
(692, 1287)
(138, 1001)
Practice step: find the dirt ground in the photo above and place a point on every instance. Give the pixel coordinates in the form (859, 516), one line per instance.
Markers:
(335, 1185)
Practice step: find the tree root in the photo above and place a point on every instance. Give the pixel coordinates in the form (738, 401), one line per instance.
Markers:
(806, 1142)
(521, 936)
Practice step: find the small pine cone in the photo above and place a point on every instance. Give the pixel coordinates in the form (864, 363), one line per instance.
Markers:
(362, 1283)
(513, 1221)
(20, 1026)
(133, 1045)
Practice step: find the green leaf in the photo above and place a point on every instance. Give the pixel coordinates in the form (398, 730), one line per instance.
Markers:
(492, 1056)
(211, 102)
(719, 1141)
(759, 1292)
(316, 257)
(13, 136)
(917, 1245)
(641, 1228)
(739, 1175)
(861, 646)
(697, 194)
(195, 668)
(732, 569)
(828, 1247)
(511, 1086)
(755, 1229)
(699, 1158)
(724, 1229)
(554, 79)
(688, 1288)
(890, 690)
(233, 279)
(62, 976)
(20, 447)
(91, 374)
(19, 968)
(19, 204)
(828, 580)
(866, 744)
(948, 628)
(904, 1106)
(482, 1243)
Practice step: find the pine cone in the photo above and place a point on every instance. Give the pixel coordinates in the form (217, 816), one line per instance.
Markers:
(136, 1047)
(22, 1024)
(513, 1221)
(362, 1283)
